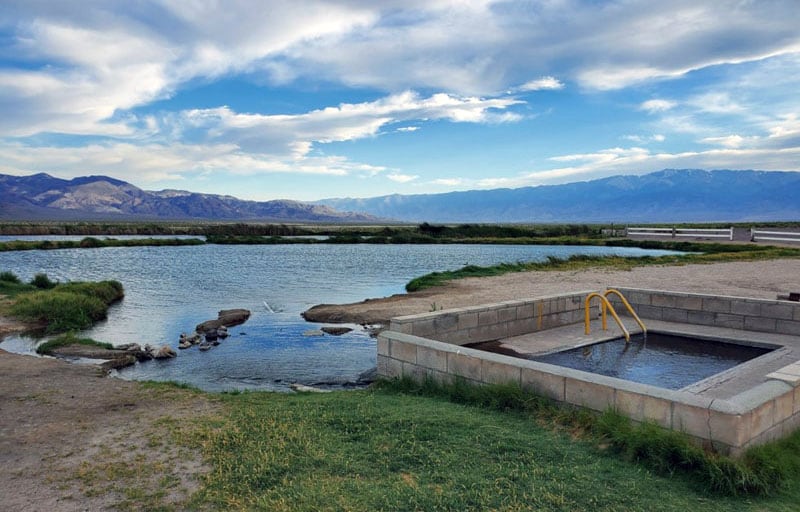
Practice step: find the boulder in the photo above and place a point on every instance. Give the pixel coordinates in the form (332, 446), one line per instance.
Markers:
(335, 331)
(225, 318)
(162, 352)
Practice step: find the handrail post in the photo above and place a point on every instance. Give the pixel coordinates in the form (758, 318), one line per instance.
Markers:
(605, 306)
(627, 306)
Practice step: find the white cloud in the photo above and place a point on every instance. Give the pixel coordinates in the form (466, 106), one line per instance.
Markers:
(408, 128)
(657, 105)
(644, 139)
(448, 182)
(546, 83)
(402, 178)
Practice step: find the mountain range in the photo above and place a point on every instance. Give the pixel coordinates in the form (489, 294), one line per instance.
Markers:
(43, 197)
(663, 196)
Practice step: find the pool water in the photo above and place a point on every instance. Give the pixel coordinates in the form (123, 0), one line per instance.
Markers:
(663, 360)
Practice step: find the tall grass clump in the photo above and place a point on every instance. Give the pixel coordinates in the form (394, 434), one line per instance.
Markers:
(43, 282)
(68, 306)
(9, 277)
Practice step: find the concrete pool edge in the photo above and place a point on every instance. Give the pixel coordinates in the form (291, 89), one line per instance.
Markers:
(429, 346)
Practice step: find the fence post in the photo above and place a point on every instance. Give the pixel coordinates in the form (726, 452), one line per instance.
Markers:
(731, 239)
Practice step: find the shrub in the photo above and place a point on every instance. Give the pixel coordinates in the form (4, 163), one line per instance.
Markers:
(9, 277)
(43, 282)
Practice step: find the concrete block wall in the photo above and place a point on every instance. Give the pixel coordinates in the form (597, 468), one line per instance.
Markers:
(762, 315)
(493, 321)
(766, 412)
(430, 346)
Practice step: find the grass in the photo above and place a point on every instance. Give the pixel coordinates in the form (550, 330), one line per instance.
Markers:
(69, 339)
(696, 253)
(408, 447)
(93, 243)
(63, 307)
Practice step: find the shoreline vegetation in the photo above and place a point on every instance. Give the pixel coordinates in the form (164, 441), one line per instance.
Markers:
(57, 307)
(428, 446)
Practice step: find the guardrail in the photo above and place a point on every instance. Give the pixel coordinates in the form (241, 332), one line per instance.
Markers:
(681, 232)
(757, 235)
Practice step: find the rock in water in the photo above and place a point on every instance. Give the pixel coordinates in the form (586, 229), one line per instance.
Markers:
(336, 331)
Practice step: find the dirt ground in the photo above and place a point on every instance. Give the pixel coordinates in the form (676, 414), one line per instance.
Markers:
(73, 439)
(762, 279)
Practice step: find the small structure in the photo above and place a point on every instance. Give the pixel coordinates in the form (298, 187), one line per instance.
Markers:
(749, 404)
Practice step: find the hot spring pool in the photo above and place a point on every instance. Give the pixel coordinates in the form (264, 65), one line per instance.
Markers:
(664, 360)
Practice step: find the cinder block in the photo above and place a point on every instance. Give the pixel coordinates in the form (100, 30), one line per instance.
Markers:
(487, 317)
(641, 407)
(402, 327)
(432, 358)
(796, 314)
(464, 365)
(649, 312)
(523, 326)
(690, 419)
(588, 394)
(393, 368)
(525, 311)
(542, 383)
(415, 372)
(796, 407)
(403, 351)
(493, 372)
(383, 366)
(732, 321)
(788, 327)
(731, 429)
(747, 308)
(689, 302)
(675, 315)
(423, 328)
(717, 305)
(507, 314)
(752, 323)
(445, 322)
(467, 320)
(701, 317)
(663, 301)
(779, 311)
(762, 418)
(383, 346)
(784, 407)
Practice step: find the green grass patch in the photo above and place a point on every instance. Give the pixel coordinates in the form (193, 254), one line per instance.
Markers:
(406, 446)
(69, 339)
(94, 243)
(67, 306)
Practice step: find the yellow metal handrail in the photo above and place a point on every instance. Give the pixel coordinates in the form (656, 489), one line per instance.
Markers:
(628, 306)
(605, 306)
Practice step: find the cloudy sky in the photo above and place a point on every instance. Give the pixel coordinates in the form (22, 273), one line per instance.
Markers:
(308, 99)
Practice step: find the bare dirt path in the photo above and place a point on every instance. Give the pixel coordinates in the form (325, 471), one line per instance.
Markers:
(72, 439)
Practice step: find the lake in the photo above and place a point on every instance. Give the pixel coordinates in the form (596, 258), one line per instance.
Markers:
(169, 290)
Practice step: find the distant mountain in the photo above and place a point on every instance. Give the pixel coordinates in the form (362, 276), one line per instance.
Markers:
(664, 196)
(43, 197)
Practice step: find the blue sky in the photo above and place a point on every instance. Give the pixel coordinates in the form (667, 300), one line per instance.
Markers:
(307, 100)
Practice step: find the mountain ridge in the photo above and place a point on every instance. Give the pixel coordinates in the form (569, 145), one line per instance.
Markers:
(670, 195)
(44, 197)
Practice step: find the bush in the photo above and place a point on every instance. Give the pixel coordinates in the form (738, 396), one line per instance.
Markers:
(60, 311)
(105, 291)
(9, 277)
(43, 282)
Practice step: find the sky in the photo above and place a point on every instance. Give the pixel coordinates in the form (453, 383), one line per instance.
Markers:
(311, 99)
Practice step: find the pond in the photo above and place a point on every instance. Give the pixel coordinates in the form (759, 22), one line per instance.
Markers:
(169, 290)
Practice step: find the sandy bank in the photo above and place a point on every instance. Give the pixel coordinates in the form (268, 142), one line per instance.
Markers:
(760, 279)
